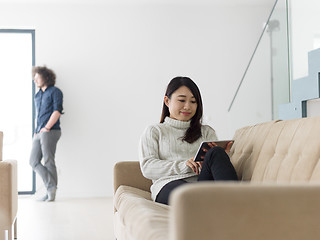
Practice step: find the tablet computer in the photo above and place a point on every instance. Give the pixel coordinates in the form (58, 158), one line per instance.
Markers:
(200, 153)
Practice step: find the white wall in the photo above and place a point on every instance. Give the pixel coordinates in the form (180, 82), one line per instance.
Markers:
(113, 63)
(254, 103)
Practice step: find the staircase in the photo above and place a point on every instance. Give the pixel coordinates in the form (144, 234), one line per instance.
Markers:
(303, 90)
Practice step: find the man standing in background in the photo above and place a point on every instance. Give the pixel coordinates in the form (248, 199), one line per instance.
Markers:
(48, 103)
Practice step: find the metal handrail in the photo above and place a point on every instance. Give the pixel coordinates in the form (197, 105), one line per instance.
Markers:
(254, 52)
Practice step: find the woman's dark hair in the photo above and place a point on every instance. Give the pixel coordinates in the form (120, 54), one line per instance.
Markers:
(47, 75)
(193, 133)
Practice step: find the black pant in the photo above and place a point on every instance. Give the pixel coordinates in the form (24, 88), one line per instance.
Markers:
(216, 166)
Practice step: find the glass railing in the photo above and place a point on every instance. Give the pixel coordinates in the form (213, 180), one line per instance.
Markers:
(266, 81)
(305, 34)
(304, 60)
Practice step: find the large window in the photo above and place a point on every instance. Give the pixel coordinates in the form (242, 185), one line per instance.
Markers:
(16, 101)
(305, 34)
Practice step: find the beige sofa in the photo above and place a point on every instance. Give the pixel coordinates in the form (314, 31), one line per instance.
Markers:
(8, 196)
(278, 197)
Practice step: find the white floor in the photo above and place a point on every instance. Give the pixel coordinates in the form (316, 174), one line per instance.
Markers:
(65, 219)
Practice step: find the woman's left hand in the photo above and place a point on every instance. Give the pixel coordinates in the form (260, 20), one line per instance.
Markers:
(228, 147)
(213, 144)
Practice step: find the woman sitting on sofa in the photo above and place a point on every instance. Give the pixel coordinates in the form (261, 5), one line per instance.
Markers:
(167, 149)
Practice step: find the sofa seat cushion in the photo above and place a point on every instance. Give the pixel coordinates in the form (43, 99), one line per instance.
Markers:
(139, 215)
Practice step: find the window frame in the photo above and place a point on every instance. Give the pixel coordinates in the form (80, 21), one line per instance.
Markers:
(32, 32)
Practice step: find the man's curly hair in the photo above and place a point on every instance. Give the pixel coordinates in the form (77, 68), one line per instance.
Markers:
(48, 76)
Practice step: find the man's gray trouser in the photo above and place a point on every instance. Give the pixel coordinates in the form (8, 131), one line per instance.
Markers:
(44, 146)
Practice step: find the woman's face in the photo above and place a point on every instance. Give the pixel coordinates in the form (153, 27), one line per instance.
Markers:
(182, 104)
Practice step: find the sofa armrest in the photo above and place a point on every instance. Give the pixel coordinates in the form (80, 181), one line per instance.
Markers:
(129, 174)
(245, 211)
(8, 192)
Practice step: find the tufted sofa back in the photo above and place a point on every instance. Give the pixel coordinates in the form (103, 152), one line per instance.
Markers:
(278, 151)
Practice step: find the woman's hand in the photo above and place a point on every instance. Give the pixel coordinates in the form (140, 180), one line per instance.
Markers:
(195, 166)
(213, 144)
(210, 145)
(228, 147)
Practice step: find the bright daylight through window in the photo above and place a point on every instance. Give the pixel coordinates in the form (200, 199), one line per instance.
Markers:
(16, 93)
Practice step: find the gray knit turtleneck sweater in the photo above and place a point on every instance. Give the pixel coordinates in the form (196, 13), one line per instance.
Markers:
(163, 154)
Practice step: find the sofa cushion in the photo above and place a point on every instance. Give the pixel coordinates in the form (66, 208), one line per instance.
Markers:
(8, 192)
(139, 215)
(291, 152)
(247, 146)
(1, 143)
(278, 151)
